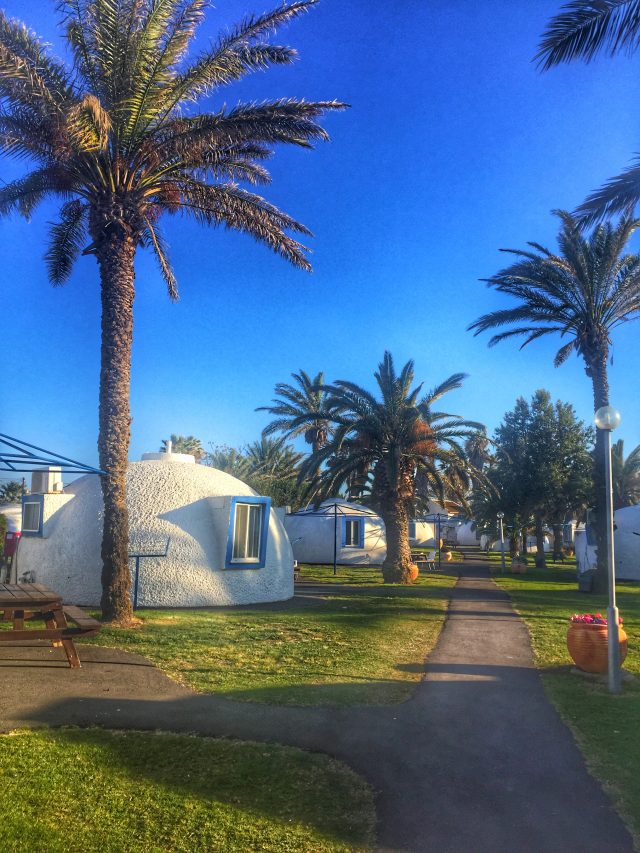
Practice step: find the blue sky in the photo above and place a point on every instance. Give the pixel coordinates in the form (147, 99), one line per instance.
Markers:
(454, 147)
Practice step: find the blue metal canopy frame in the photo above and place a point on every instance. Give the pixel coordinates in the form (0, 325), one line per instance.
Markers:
(22, 458)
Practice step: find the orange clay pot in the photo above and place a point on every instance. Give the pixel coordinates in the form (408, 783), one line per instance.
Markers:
(414, 571)
(587, 644)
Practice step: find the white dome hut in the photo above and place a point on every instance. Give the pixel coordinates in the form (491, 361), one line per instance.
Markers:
(627, 543)
(226, 545)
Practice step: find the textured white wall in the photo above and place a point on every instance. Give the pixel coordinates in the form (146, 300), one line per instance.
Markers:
(425, 535)
(189, 503)
(627, 543)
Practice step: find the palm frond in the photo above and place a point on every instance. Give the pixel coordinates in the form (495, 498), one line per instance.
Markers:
(66, 240)
(584, 28)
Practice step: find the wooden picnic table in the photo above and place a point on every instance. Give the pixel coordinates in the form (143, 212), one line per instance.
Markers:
(20, 602)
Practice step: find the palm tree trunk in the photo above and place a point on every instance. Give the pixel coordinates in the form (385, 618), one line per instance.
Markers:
(115, 253)
(540, 558)
(557, 542)
(397, 565)
(597, 370)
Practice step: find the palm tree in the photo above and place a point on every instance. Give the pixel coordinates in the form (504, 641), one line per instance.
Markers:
(118, 140)
(387, 443)
(229, 460)
(626, 475)
(582, 294)
(582, 30)
(270, 458)
(185, 444)
(300, 410)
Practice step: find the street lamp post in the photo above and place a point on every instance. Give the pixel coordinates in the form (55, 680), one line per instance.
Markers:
(500, 517)
(607, 419)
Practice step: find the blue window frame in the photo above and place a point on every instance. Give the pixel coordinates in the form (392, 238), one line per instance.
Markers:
(412, 530)
(32, 512)
(248, 532)
(352, 532)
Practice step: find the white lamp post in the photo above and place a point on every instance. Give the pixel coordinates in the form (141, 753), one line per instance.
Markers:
(500, 517)
(607, 419)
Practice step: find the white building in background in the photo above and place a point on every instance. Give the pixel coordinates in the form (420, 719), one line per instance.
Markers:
(626, 540)
(226, 544)
(353, 532)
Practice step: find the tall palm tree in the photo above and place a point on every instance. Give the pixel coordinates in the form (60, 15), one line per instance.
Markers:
(582, 30)
(300, 410)
(118, 139)
(582, 294)
(388, 441)
(625, 475)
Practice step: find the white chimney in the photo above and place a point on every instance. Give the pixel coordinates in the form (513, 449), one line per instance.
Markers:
(168, 447)
(46, 481)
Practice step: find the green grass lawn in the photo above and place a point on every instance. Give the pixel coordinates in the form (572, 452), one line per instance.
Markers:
(606, 727)
(86, 790)
(349, 647)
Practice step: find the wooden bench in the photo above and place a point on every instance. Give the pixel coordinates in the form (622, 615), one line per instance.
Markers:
(22, 603)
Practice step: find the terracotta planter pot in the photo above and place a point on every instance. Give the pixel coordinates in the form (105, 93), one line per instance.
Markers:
(414, 571)
(587, 644)
(518, 568)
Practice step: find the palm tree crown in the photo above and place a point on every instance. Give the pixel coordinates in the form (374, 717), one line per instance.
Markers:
(116, 138)
(300, 410)
(625, 475)
(583, 293)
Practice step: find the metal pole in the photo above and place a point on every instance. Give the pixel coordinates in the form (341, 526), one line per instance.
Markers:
(135, 585)
(439, 544)
(335, 538)
(502, 545)
(613, 641)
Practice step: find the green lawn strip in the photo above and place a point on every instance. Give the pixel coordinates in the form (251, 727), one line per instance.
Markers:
(569, 563)
(85, 790)
(352, 647)
(356, 575)
(605, 726)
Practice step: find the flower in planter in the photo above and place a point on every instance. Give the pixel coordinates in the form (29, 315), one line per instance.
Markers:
(591, 619)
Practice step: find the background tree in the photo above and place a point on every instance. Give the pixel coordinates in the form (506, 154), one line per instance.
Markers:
(300, 411)
(582, 30)
(12, 491)
(582, 294)
(626, 475)
(118, 140)
(229, 460)
(386, 442)
(185, 444)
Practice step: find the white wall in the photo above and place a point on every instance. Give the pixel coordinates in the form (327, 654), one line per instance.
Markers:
(188, 503)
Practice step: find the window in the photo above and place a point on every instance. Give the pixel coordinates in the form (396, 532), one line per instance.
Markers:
(32, 515)
(353, 532)
(248, 529)
(412, 530)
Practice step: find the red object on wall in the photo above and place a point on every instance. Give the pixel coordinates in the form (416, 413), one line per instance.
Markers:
(11, 543)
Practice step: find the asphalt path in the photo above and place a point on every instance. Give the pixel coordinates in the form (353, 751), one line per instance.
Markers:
(477, 760)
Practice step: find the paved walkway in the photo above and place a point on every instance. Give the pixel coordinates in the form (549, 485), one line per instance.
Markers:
(476, 761)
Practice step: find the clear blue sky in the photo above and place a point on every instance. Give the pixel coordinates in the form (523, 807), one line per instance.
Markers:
(454, 147)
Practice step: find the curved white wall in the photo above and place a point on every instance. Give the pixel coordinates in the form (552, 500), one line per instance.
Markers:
(627, 543)
(189, 503)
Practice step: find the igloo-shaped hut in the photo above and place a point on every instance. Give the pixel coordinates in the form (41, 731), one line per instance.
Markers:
(355, 532)
(226, 544)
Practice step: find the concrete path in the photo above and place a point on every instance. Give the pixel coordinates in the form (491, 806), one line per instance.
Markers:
(476, 761)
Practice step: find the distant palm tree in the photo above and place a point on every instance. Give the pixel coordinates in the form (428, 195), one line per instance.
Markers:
(12, 492)
(300, 411)
(582, 294)
(625, 475)
(385, 443)
(185, 444)
(229, 460)
(581, 30)
(270, 458)
(117, 139)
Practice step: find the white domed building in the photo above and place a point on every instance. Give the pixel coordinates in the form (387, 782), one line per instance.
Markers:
(225, 545)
